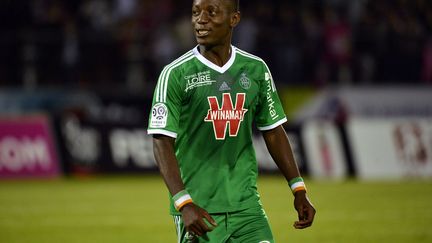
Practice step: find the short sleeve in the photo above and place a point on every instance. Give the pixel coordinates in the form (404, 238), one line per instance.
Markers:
(270, 113)
(166, 105)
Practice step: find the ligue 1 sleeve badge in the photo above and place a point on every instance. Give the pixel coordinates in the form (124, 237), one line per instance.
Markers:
(244, 81)
(159, 116)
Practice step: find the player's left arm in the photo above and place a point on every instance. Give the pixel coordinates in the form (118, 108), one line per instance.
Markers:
(280, 149)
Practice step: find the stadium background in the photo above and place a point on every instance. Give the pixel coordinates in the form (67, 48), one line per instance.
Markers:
(76, 79)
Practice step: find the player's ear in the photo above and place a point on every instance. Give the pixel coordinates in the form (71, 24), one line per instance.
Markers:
(235, 19)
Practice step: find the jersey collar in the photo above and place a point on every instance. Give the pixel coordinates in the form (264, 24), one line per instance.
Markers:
(213, 66)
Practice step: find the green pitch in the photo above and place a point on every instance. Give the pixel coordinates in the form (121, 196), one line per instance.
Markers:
(134, 209)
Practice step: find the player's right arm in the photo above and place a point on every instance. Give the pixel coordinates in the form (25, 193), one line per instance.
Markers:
(163, 149)
(164, 125)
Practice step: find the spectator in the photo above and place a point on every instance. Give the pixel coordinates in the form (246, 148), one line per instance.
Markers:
(123, 42)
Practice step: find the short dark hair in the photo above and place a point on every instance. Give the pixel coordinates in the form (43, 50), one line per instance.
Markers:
(235, 4)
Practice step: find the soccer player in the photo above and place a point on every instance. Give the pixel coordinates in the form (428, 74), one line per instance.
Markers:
(204, 106)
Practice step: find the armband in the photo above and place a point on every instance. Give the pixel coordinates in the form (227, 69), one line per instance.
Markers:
(297, 184)
(181, 199)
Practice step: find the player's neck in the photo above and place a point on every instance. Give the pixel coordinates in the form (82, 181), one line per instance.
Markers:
(219, 55)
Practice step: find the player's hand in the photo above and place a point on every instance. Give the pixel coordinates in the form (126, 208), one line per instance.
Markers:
(305, 210)
(194, 220)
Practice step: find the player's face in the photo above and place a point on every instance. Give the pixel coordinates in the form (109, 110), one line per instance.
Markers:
(213, 21)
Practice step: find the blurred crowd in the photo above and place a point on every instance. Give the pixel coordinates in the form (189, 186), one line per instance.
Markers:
(123, 44)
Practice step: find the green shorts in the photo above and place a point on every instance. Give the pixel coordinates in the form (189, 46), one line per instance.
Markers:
(249, 225)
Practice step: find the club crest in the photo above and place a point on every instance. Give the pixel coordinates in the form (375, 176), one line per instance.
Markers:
(244, 81)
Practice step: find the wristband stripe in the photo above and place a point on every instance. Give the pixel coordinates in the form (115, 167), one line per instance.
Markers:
(297, 184)
(182, 204)
(179, 195)
(294, 180)
(299, 189)
(181, 198)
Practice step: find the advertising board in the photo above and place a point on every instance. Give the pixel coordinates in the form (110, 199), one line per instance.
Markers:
(324, 150)
(27, 147)
(391, 148)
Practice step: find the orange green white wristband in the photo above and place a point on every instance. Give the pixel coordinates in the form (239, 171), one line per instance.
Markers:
(180, 199)
(297, 184)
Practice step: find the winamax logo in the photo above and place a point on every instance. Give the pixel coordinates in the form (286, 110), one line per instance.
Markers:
(227, 114)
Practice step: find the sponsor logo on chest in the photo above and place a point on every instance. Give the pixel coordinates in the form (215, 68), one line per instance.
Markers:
(226, 115)
(198, 79)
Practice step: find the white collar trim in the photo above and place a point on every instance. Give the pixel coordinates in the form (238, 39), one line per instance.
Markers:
(213, 66)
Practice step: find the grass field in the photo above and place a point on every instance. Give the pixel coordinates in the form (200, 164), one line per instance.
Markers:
(134, 209)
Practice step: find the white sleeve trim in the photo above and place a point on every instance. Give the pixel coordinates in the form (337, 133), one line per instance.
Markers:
(163, 132)
(280, 122)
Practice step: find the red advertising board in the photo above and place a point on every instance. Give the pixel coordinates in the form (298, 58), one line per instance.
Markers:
(27, 147)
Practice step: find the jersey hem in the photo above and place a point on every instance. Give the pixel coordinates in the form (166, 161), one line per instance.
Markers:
(162, 132)
(274, 125)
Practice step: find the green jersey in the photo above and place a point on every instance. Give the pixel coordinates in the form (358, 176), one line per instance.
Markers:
(210, 110)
